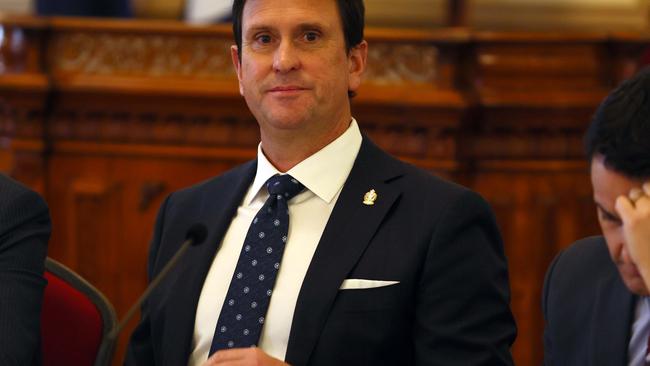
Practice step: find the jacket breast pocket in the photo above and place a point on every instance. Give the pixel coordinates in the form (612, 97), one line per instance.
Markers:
(353, 300)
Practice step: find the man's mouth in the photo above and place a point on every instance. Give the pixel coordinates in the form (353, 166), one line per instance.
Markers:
(286, 89)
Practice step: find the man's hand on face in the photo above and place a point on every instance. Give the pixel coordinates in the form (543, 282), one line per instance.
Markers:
(252, 356)
(635, 214)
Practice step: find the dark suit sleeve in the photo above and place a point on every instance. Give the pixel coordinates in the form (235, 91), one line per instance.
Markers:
(463, 314)
(548, 344)
(24, 233)
(141, 350)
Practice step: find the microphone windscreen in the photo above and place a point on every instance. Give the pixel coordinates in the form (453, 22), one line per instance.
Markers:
(197, 232)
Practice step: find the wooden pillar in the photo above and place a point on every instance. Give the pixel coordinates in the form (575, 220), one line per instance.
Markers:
(457, 13)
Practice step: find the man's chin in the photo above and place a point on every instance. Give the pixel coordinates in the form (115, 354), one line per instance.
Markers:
(287, 122)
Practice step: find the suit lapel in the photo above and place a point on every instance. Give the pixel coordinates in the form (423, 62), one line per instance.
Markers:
(351, 226)
(612, 319)
(221, 202)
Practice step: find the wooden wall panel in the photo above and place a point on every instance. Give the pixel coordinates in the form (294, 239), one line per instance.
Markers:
(574, 15)
(540, 208)
(104, 205)
(409, 13)
(108, 117)
(24, 91)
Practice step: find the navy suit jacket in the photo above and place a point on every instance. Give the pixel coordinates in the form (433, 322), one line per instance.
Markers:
(588, 309)
(438, 239)
(24, 232)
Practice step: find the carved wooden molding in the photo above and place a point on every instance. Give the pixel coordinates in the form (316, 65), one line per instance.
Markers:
(150, 125)
(142, 55)
(19, 120)
(448, 94)
(90, 236)
(208, 58)
(398, 64)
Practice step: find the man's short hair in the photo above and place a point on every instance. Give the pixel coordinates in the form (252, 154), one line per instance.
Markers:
(620, 128)
(352, 13)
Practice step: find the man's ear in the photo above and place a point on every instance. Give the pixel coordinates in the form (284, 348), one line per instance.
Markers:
(357, 59)
(234, 54)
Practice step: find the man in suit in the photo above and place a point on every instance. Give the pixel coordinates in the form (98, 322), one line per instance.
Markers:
(384, 264)
(24, 233)
(595, 301)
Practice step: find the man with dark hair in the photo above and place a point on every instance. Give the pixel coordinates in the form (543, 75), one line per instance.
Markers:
(324, 250)
(595, 299)
(24, 233)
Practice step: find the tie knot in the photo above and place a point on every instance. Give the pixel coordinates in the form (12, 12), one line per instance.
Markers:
(284, 185)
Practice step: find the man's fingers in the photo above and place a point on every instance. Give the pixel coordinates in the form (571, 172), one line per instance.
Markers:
(635, 194)
(624, 207)
(642, 202)
(243, 357)
(229, 355)
(236, 362)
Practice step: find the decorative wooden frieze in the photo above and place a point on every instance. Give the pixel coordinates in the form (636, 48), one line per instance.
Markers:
(142, 55)
(205, 57)
(394, 63)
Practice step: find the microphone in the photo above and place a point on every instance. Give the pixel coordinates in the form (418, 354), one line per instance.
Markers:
(195, 235)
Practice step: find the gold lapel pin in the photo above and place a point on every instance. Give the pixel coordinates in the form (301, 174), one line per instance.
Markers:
(370, 197)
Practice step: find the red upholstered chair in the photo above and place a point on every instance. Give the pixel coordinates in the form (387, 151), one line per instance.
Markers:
(75, 320)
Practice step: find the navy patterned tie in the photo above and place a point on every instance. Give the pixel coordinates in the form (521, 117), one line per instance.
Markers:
(244, 308)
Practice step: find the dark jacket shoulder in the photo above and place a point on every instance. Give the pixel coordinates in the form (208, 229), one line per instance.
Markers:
(586, 306)
(583, 262)
(19, 204)
(575, 274)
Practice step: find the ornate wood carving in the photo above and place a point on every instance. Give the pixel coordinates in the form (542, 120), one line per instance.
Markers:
(142, 55)
(223, 126)
(398, 63)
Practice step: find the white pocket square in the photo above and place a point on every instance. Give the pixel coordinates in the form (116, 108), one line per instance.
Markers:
(357, 284)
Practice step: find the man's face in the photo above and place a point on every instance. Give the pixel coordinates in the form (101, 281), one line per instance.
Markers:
(295, 71)
(608, 185)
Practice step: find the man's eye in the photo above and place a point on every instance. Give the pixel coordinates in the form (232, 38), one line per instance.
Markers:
(609, 218)
(311, 36)
(264, 38)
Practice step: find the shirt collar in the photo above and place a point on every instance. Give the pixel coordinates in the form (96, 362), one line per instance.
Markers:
(323, 173)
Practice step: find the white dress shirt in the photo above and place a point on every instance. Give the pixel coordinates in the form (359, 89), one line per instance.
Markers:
(640, 333)
(323, 175)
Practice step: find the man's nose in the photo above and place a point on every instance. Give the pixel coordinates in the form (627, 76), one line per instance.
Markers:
(286, 58)
(625, 256)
